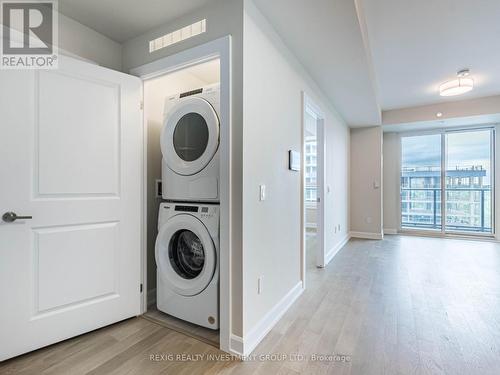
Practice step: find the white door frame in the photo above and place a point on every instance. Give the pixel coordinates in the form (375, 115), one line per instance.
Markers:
(216, 49)
(309, 106)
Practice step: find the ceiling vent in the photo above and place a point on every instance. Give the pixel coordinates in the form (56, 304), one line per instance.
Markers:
(177, 36)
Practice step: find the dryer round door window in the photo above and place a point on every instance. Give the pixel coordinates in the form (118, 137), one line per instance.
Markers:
(190, 136)
(185, 255)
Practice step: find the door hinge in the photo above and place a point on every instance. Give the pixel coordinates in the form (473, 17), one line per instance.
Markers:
(141, 104)
(140, 288)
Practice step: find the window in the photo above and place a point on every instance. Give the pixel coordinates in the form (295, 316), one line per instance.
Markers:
(463, 160)
(469, 159)
(421, 182)
(310, 169)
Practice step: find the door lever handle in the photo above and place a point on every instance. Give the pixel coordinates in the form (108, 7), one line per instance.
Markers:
(10, 217)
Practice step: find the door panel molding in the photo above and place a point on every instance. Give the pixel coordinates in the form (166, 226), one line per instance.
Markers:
(75, 266)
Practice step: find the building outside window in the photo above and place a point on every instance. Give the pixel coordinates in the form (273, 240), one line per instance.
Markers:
(468, 198)
(310, 170)
(468, 183)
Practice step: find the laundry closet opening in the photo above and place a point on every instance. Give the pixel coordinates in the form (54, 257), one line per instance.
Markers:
(181, 114)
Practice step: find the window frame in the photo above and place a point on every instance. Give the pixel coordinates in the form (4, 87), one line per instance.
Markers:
(442, 132)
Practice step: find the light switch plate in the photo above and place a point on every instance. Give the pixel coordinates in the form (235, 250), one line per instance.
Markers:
(262, 189)
(293, 160)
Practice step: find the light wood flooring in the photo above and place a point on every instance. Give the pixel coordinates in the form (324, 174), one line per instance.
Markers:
(404, 305)
(206, 335)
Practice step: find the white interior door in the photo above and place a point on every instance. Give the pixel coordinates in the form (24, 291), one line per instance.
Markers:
(70, 157)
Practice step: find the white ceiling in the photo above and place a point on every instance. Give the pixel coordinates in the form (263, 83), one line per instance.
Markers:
(122, 20)
(368, 56)
(326, 37)
(418, 44)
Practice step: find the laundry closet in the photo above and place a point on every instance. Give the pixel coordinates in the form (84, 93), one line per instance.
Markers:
(181, 118)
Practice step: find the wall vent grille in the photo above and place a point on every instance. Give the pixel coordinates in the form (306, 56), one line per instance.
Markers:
(177, 36)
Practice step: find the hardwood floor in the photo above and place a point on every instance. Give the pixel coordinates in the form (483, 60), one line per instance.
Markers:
(404, 305)
(206, 335)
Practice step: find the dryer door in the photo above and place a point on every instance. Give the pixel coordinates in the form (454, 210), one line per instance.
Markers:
(190, 136)
(185, 255)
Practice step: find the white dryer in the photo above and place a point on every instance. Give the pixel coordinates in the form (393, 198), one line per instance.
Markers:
(190, 146)
(187, 260)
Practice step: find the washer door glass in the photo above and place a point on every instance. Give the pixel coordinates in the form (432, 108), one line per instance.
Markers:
(186, 254)
(190, 136)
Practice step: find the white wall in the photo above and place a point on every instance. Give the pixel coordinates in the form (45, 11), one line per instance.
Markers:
(89, 44)
(155, 92)
(450, 110)
(391, 182)
(223, 17)
(366, 172)
(272, 124)
(337, 138)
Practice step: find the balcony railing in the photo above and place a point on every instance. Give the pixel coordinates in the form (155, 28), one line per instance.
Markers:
(467, 209)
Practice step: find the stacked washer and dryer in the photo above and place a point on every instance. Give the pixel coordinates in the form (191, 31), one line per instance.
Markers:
(187, 245)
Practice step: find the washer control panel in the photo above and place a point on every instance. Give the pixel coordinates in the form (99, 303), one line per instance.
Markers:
(208, 211)
(183, 208)
(202, 210)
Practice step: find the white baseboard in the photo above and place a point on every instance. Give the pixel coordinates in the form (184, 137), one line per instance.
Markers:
(367, 235)
(390, 231)
(236, 346)
(151, 297)
(243, 346)
(333, 251)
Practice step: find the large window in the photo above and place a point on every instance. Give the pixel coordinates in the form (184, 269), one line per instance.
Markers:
(468, 181)
(421, 182)
(464, 161)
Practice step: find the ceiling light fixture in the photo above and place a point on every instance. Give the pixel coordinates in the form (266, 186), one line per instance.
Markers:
(458, 86)
(439, 114)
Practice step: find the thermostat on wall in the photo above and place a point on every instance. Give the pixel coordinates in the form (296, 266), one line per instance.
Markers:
(293, 160)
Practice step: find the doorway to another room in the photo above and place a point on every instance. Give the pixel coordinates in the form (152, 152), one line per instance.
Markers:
(313, 183)
(311, 188)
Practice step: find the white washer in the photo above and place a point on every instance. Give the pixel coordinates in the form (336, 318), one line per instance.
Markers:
(187, 260)
(190, 146)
